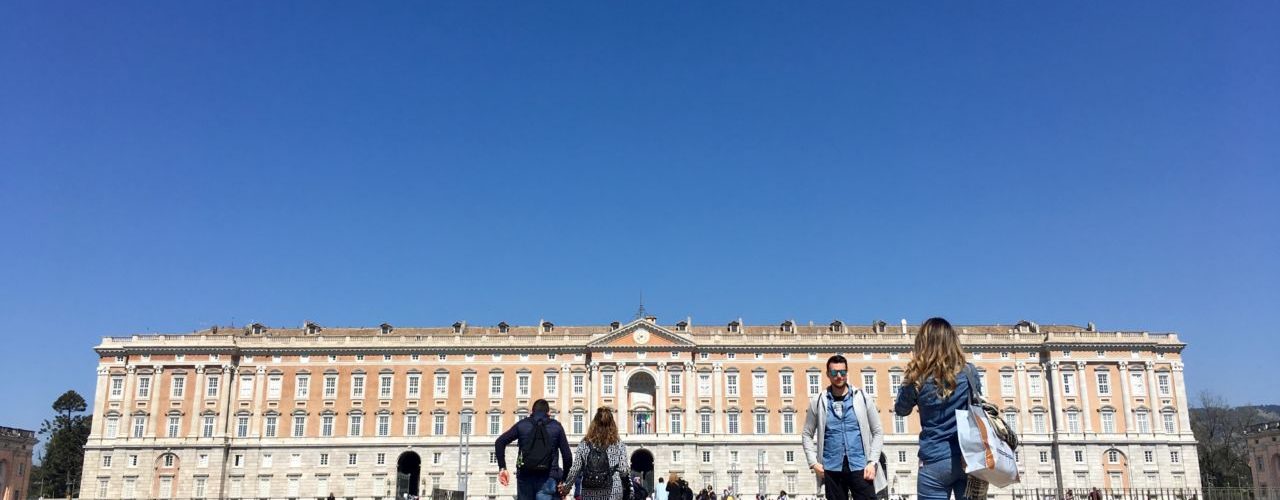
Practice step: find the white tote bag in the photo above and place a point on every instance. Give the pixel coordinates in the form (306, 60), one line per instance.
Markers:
(986, 456)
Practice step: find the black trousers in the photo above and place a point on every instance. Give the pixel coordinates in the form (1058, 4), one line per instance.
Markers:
(847, 485)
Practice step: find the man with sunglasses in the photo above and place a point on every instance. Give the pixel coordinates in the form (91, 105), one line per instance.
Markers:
(842, 438)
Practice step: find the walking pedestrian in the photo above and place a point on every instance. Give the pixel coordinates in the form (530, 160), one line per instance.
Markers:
(539, 438)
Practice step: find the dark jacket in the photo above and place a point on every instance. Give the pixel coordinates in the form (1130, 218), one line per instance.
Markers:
(523, 430)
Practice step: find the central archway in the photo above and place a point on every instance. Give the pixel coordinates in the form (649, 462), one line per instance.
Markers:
(642, 468)
(642, 393)
(408, 469)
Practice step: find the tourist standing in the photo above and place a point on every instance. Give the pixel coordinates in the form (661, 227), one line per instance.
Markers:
(842, 438)
(600, 460)
(937, 382)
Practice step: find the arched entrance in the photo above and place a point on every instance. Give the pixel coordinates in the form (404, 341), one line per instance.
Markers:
(408, 469)
(642, 392)
(642, 467)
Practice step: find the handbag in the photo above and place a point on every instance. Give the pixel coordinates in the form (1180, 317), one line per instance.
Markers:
(987, 455)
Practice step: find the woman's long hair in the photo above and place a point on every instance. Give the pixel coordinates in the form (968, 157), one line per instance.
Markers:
(603, 431)
(937, 355)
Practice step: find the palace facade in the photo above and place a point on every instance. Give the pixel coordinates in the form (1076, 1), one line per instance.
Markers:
(16, 446)
(371, 413)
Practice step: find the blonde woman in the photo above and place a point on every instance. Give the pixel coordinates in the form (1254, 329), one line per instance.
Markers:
(937, 382)
(600, 460)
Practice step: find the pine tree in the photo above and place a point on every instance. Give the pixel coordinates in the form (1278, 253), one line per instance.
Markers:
(65, 437)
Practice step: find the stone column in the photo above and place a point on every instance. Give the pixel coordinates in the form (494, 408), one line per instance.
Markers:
(1055, 384)
(1085, 403)
(661, 394)
(621, 393)
(260, 398)
(156, 413)
(1124, 395)
(1180, 399)
(717, 398)
(1023, 395)
(593, 389)
(1153, 400)
(564, 390)
(193, 414)
(101, 404)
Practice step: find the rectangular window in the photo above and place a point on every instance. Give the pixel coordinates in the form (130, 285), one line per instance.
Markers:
(270, 427)
(1175, 457)
(1069, 384)
(1073, 422)
(762, 423)
(380, 459)
(550, 386)
(1037, 422)
(246, 387)
(1011, 418)
(674, 386)
(704, 384)
(706, 457)
(1044, 457)
(675, 456)
(704, 423)
(113, 426)
(895, 383)
(677, 422)
(173, 427)
(144, 387)
(106, 461)
(242, 426)
(274, 383)
(357, 387)
(1108, 421)
(1034, 385)
(787, 384)
(731, 384)
(357, 424)
(130, 485)
(579, 385)
(179, 387)
(1006, 384)
(1144, 422)
(899, 424)
(1162, 384)
(139, 425)
(202, 460)
(1104, 383)
(384, 386)
(211, 386)
(117, 387)
(326, 425)
(351, 458)
(732, 419)
(788, 423)
(1079, 456)
(237, 460)
(437, 427)
(495, 385)
(302, 388)
(815, 384)
(264, 486)
(869, 383)
(330, 388)
(523, 385)
(1148, 456)
(102, 488)
(266, 460)
(578, 419)
(295, 460)
(324, 459)
(1138, 383)
(299, 426)
(1169, 426)
(468, 385)
(442, 385)
(495, 424)
(758, 385)
(606, 384)
(413, 387)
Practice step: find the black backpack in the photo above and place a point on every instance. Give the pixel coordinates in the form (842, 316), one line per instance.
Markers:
(538, 452)
(597, 474)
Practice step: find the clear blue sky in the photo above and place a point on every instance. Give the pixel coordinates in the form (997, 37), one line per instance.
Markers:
(172, 165)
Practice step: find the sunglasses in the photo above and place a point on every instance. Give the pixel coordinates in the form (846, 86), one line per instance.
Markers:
(838, 373)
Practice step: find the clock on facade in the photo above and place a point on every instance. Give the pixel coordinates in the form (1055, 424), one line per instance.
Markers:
(641, 336)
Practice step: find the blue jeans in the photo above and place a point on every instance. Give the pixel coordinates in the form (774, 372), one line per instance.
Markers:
(536, 488)
(940, 479)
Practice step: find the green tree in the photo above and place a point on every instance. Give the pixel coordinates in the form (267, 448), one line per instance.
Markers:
(64, 438)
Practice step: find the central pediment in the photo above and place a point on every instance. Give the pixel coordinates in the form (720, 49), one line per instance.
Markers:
(641, 333)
